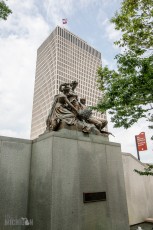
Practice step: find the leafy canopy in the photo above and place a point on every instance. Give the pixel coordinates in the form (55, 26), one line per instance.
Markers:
(4, 10)
(128, 91)
(135, 20)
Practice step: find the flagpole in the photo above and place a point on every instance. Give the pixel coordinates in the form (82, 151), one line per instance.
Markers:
(137, 148)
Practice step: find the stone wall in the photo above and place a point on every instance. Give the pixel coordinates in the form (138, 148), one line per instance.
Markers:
(139, 190)
(50, 173)
(15, 157)
(65, 165)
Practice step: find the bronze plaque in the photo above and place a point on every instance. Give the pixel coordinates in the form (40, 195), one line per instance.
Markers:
(94, 197)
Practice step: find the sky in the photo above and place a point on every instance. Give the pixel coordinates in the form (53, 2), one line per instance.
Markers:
(20, 36)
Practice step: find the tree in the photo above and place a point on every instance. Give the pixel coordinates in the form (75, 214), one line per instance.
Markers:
(4, 10)
(147, 171)
(128, 91)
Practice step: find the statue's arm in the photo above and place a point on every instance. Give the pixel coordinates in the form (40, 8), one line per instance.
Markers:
(70, 104)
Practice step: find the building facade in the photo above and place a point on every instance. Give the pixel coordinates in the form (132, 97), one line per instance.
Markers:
(63, 57)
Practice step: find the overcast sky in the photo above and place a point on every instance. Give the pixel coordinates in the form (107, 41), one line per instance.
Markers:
(24, 31)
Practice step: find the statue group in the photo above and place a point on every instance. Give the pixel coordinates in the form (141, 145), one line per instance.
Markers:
(69, 112)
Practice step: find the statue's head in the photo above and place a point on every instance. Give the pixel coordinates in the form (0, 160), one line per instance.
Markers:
(73, 84)
(65, 88)
(83, 101)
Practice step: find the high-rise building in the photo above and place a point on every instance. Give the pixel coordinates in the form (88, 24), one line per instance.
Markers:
(63, 57)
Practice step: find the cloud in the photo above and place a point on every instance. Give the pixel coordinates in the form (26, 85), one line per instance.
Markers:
(111, 33)
(105, 13)
(25, 22)
(16, 84)
(105, 62)
(56, 10)
(20, 37)
(102, 18)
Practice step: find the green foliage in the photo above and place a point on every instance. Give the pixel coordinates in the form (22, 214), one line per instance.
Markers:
(147, 171)
(4, 10)
(135, 20)
(128, 91)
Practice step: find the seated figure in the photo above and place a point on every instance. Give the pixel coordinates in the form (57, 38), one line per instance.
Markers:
(98, 122)
(62, 109)
(67, 109)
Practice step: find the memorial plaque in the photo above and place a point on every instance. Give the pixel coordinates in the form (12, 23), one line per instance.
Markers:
(94, 197)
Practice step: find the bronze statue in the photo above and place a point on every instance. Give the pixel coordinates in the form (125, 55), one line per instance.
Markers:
(67, 111)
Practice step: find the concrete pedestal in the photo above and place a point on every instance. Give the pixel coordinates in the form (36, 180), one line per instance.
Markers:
(66, 164)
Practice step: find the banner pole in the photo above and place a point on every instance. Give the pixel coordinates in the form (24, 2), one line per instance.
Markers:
(137, 148)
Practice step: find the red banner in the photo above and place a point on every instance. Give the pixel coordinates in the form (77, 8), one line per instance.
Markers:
(141, 142)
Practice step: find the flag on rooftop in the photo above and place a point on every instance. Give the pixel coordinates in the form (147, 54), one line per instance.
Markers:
(64, 20)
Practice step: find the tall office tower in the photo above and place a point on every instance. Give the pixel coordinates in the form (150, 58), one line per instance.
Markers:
(63, 57)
